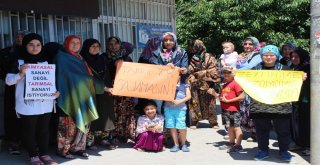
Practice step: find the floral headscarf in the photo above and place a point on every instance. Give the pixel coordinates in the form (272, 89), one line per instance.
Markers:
(168, 54)
(126, 49)
(152, 45)
(199, 50)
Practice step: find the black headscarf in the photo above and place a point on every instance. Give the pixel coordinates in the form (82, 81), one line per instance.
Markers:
(95, 61)
(304, 58)
(29, 58)
(51, 50)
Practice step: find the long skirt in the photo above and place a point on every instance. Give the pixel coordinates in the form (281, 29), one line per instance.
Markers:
(300, 124)
(150, 141)
(70, 138)
(202, 107)
(105, 108)
(125, 122)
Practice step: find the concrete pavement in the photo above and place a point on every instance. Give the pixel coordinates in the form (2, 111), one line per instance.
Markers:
(204, 151)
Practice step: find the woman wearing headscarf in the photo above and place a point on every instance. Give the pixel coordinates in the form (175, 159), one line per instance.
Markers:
(12, 126)
(76, 103)
(152, 45)
(286, 49)
(101, 127)
(169, 53)
(203, 76)
(301, 110)
(35, 114)
(246, 61)
(250, 56)
(278, 114)
(125, 121)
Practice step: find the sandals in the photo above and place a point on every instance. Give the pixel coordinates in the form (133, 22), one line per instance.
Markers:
(111, 147)
(93, 147)
(81, 153)
(66, 156)
(46, 159)
(35, 161)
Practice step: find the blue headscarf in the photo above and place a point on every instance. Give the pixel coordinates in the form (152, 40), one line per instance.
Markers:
(270, 48)
(255, 42)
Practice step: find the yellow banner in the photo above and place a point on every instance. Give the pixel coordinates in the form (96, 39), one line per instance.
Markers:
(146, 81)
(270, 86)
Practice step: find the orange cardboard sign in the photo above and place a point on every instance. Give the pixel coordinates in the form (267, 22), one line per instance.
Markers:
(146, 81)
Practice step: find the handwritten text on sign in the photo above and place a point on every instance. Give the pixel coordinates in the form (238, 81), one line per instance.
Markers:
(146, 81)
(40, 81)
(270, 86)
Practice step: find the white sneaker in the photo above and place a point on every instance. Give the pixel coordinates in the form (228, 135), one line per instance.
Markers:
(250, 139)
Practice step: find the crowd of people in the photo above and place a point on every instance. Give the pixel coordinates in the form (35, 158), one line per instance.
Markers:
(86, 114)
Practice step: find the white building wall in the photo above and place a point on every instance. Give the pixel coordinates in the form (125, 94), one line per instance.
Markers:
(118, 18)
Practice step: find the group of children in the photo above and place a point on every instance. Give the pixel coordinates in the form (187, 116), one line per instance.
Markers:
(150, 125)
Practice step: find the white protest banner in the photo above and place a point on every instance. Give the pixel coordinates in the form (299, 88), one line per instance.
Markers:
(40, 81)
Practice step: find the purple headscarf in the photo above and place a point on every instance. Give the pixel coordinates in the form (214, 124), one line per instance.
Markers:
(152, 45)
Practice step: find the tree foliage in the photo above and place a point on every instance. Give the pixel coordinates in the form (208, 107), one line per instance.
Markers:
(216, 21)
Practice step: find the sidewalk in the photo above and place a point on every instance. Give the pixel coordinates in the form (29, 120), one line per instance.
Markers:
(204, 151)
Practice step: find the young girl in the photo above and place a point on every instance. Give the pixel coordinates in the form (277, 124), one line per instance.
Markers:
(175, 115)
(35, 114)
(150, 129)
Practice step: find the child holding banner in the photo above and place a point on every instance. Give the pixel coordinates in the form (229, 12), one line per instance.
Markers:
(175, 116)
(35, 113)
(279, 114)
(150, 129)
(230, 97)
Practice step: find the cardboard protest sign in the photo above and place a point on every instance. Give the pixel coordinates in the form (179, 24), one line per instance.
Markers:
(40, 81)
(270, 86)
(146, 81)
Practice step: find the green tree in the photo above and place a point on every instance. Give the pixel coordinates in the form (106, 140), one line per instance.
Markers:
(216, 21)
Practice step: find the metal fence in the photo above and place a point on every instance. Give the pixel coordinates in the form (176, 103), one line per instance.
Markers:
(118, 18)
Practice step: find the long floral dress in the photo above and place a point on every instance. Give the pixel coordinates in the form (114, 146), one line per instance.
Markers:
(204, 75)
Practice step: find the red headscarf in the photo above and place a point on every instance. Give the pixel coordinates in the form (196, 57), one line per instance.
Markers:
(66, 44)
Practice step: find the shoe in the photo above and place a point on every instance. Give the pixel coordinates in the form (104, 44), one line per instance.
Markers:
(250, 139)
(185, 148)
(35, 161)
(193, 127)
(261, 155)
(47, 160)
(285, 156)
(14, 149)
(293, 146)
(216, 127)
(306, 152)
(226, 146)
(235, 148)
(174, 149)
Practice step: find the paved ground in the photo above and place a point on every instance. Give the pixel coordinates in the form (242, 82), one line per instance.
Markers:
(204, 143)
(204, 150)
